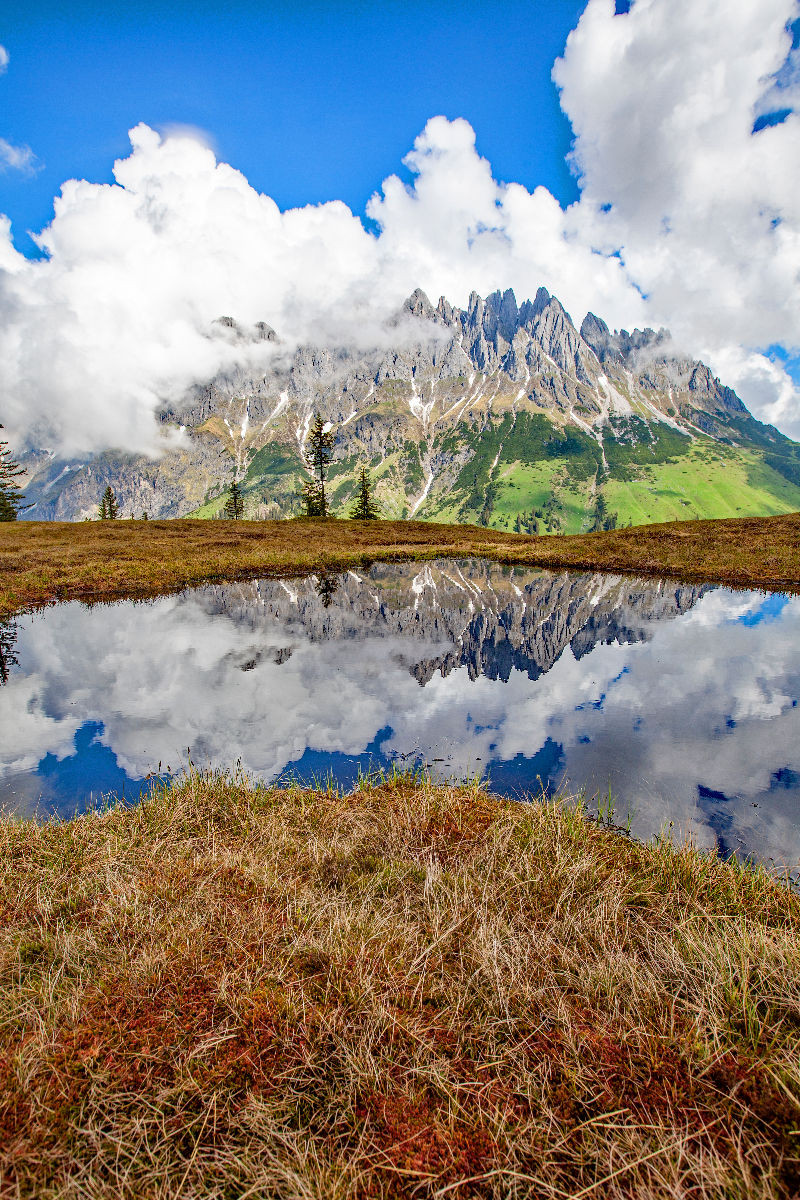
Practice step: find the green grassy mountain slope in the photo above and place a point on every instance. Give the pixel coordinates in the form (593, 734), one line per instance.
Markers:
(522, 472)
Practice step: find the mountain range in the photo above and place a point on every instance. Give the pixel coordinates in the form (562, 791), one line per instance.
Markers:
(501, 414)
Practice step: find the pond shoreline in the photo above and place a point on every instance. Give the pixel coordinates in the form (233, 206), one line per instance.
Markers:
(413, 989)
(43, 563)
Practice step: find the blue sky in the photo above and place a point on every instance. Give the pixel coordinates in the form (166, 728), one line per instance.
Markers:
(379, 148)
(311, 101)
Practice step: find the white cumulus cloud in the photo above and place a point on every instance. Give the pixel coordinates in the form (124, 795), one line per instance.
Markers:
(705, 213)
(3, 59)
(686, 218)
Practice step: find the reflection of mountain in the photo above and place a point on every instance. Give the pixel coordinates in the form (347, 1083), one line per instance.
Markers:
(496, 620)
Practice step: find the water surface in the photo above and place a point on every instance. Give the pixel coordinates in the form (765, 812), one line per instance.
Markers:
(682, 702)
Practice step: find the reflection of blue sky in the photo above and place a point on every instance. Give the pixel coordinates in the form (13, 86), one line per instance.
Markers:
(769, 609)
(80, 779)
(318, 766)
(526, 774)
(706, 707)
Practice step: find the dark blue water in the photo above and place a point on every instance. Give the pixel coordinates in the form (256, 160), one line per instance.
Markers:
(680, 703)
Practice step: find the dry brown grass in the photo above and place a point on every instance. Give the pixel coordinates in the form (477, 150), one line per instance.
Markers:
(412, 991)
(100, 560)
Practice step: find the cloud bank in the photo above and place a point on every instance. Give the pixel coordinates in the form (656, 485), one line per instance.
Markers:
(704, 212)
(686, 218)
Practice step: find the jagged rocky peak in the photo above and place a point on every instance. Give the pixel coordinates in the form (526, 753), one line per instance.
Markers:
(501, 316)
(229, 327)
(620, 345)
(265, 332)
(596, 333)
(419, 305)
(652, 356)
(497, 332)
(704, 382)
(531, 310)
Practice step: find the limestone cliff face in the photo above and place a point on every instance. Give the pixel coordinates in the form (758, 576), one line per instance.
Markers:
(489, 619)
(452, 408)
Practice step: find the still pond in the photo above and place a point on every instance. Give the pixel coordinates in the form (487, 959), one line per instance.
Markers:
(679, 702)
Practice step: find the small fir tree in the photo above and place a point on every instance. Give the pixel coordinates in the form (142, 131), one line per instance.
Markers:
(234, 505)
(603, 519)
(320, 453)
(109, 508)
(11, 497)
(365, 507)
(312, 499)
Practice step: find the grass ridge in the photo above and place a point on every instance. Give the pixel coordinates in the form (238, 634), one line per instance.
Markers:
(45, 562)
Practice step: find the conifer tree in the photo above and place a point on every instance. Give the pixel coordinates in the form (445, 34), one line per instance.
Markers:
(603, 519)
(320, 452)
(312, 499)
(365, 507)
(234, 505)
(11, 496)
(109, 508)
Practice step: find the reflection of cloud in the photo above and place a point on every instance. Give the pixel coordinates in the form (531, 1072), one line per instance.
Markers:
(709, 700)
(27, 732)
(170, 676)
(713, 704)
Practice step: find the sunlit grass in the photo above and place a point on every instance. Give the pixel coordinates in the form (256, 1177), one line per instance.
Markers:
(41, 562)
(414, 990)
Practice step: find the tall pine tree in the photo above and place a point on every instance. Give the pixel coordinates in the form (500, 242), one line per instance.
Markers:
(320, 452)
(11, 498)
(365, 507)
(234, 505)
(109, 508)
